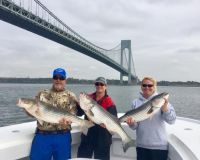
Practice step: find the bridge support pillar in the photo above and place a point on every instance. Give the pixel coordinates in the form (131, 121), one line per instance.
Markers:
(121, 78)
(126, 46)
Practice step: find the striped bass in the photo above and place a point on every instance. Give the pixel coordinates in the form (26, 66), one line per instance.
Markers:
(147, 109)
(45, 112)
(99, 115)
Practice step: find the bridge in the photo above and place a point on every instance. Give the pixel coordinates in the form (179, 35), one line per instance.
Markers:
(33, 16)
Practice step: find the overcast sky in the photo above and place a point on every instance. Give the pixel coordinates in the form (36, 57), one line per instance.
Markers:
(165, 37)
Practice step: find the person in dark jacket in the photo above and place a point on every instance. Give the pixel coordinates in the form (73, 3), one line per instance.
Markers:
(98, 139)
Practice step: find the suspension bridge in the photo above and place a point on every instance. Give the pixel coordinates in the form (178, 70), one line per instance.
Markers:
(33, 16)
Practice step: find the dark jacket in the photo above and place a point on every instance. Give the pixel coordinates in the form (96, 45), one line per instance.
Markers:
(107, 103)
(98, 136)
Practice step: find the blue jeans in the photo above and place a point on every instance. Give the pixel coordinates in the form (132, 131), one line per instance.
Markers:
(46, 146)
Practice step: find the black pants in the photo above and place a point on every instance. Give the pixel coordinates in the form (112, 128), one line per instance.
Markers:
(151, 154)
(86, 149)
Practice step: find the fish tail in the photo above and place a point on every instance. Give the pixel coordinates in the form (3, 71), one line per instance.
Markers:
(89, 124)
(128, 142)
(85, 125)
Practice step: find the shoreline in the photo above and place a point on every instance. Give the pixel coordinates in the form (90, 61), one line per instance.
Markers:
(84, 81)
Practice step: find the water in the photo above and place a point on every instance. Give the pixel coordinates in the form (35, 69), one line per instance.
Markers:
(186, 100)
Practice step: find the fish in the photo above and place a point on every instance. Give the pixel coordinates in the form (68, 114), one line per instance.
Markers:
(45, 112)
(147, 109)
(99, 115)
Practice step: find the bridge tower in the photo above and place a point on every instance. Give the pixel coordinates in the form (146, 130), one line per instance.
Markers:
(126, 46)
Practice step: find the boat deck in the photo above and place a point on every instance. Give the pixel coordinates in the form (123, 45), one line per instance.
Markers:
(183, 137)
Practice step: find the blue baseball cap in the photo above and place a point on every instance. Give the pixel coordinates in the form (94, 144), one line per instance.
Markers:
(60, 72)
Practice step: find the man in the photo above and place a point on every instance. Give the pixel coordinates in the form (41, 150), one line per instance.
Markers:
(54, 140)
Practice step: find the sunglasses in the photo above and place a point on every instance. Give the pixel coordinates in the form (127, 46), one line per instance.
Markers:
(99, 84)
(147, 85)
(58, 78)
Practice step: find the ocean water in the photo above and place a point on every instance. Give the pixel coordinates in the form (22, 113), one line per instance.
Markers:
(186, 100)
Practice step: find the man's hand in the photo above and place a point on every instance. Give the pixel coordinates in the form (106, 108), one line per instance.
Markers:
(64, 121)
(103, 125)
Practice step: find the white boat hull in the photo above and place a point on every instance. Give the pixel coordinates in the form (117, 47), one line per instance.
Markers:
(183, 138)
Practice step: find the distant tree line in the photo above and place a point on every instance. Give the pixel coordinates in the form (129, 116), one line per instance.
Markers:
(49, 80)
(84, 81)
(179, 83)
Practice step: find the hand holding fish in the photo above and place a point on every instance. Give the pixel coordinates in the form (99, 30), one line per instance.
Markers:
(130, 121)
(64, 121)
(164, 108)
(103, 125)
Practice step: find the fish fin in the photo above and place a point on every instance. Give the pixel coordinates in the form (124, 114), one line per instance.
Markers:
(37, 112)
(90, 113)
(85, 126)
(37, 99)
(85, 131)
(89, 124)
(150, 110)
(151, 117)
(128, 142)
(112, 133)
(40, 121)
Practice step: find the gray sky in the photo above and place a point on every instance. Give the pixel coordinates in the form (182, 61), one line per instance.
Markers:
(165, 38)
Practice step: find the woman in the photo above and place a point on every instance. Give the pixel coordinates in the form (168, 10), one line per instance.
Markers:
(151, 142)
(98, 139)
